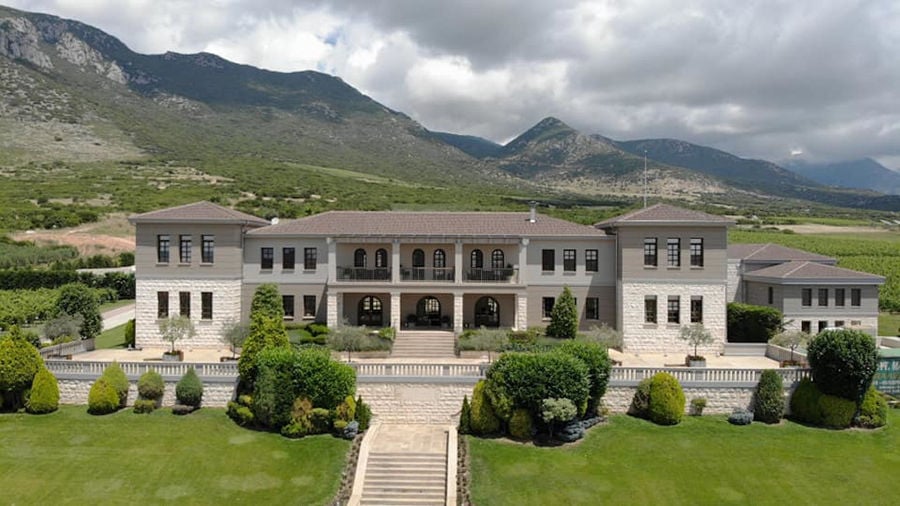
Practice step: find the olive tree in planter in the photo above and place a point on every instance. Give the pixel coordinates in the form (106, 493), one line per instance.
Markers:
(234, 336)
(696, 335)
(792, 339)
(174, 329)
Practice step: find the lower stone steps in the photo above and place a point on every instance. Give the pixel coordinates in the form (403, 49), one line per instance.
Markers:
(405, 478)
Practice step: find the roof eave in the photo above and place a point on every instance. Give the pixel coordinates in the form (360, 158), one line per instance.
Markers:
(815, 281)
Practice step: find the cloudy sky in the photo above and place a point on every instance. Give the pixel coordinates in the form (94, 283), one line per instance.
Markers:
(760, 78)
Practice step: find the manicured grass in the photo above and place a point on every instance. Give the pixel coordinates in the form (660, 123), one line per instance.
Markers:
(111, 338)
(889, 324)
(704, 460)
(203, 458)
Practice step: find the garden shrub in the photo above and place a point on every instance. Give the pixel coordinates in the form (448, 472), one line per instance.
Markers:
(698, 404)
(321, 420)
(350, 431)
(387, 333)
(103, 397)
(346, 411)
(837, 412)
(564, 316)
(740, 416)
(317, 329)
(805, 403)
(484, 421)
(19, 363)
(596, 358)
(666, 399)
(640, 403)
(151, 386)
(363, 414)
(872, 412)
(182, 409)
(240, 414)
(526, 379)
(521, 425)
(465, 417)
(301, 422)
(325, 381)
(63, 328)
(843, 362)
(189, 389)
(130, 333)
(571, 432)
(769, 402)
(44, 397)
(752, 324)
(556, 411)
(294, 430)
(142, 406)
(273, 393)
(267, 302)
(116, 377)
(264, 333)
(79, 299)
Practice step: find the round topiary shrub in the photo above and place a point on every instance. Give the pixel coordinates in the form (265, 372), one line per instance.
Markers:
(805, 403)
(484, 421)
(103, 398)
(596, 358)
(843, 362)
(189, 389)
(769, 400)
(640, 403)
(116, 377)
(521, 425)
(837, 412)
(666, 399)
(19, 363)
(151, 386)
(44, 396)
(873, 410)
(142, 406)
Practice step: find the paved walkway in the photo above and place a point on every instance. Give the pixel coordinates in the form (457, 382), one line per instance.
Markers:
(118, 316)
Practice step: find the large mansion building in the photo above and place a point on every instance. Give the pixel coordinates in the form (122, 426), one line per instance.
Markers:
(646, 273)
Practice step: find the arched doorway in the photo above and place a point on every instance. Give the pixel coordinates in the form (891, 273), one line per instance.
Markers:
(370, 312)
(428, 312)
(487, 312)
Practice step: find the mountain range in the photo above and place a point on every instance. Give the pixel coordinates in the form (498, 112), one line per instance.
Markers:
(74, 94)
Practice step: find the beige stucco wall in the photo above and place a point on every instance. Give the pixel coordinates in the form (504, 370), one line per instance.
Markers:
(252, 256)
(631, 248)
(605, 294)
(227, 261)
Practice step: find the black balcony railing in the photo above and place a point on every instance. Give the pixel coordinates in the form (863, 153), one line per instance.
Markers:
(505, 275)
(427, 274)
(363, 274)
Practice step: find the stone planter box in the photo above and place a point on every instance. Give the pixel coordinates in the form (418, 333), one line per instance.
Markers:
(696, 363)
(177, 357)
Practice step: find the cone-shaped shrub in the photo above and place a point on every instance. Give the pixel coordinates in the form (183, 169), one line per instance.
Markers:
(103, 398)
(115, 376)
(189, 389)
(44, 396)
(666, 399)
(465, 417)
(484, 421)
(769, 405)
(151, 386)
(363, 414)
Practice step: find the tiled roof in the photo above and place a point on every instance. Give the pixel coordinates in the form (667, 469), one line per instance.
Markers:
(774, 253)
(199, 212)
(813, 272)
(389, 223)
(665, 214)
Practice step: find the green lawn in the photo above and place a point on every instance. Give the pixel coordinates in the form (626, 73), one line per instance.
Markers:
(70, 457)
(704, 460)
(111, 338)
(889, 324)
(115, 305)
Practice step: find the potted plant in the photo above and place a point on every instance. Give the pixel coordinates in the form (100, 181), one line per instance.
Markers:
(234, 336)
(792, 339)
(696, 335)
(174, 329)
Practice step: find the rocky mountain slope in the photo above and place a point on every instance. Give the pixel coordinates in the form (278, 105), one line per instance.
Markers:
(864, 174)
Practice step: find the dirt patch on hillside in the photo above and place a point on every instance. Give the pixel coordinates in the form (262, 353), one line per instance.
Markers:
(810, 228)
(109, 236)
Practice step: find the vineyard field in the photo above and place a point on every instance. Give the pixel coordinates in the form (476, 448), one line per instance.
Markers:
(25, 307)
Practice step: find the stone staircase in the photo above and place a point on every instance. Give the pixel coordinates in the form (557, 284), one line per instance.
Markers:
(405, 478)
(433, 344)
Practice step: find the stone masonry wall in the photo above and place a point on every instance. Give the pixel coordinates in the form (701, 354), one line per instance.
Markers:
(226, 310)
(215, 394)
(414, 402)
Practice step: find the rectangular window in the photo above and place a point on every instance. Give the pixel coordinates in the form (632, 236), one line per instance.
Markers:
(288, 302)
(673, 252)
(548, 260)
(569, 260)
(673, 313)
(309, 258)
(823, 297)
(697, 309)
(162, 305)
(184, 249)
(592, 308)
(309, 306)
(547, 307)
(696, 252)
(266, 258)
(771, 295)
(855, 297)
(206, 306)
(823, 324)
(839, 323)
(184, 304)
(207, 249)
(855, 323)
(162, 249)
(806, 326)
(591, 262)
(806, 297)
(287, 259)
(650, 252)
(649, 309)
(839, 295)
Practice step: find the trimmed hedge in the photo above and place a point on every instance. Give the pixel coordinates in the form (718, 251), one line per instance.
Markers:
(265, 332)
(116, 377)
(526, 379)
(151, 386)
(19, 363)
(805, 403)
(44, 396)
(31, 279)
(596, 358)
(752, 324)
(484, 421)
(843, 362)
(103, 397)
(769, 404)
(837, 412)
(189, 389)
(873, 410)
(666, 399)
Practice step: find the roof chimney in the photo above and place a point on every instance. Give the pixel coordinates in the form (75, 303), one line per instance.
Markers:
(532, 217)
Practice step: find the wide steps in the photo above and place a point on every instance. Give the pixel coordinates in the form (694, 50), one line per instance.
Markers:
(423, 344)
(405, 479)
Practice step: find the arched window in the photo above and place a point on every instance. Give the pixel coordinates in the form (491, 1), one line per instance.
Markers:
(497, 260)
(359, 258)
(370, 312)
(476, 260)
(381, 258)
(440, 259)
(418, 258)
(487, 312)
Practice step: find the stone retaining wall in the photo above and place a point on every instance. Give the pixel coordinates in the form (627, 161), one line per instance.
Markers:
(415, 402)
(216, 394)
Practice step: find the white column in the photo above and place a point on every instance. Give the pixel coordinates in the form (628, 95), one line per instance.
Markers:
(395, 310)
(332, 259)
(523, 261)
(521, 311)
(458, 312)
(331, 310)
(395, 261)
(458, 262)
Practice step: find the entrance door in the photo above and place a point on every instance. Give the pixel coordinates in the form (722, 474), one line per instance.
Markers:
(370, 312)
(428, 312)
(487, 312)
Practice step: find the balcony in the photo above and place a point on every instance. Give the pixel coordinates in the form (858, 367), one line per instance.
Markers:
(363, 274)
(505, 275)
(427, 274)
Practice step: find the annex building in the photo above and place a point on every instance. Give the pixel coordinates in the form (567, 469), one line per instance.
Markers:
(646, 273)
